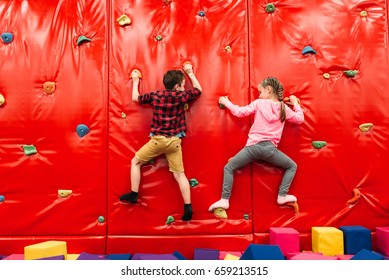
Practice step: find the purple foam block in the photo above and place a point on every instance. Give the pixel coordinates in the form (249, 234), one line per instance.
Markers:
(87, 256)
(206, 254)
(153, 257)
(54, 258)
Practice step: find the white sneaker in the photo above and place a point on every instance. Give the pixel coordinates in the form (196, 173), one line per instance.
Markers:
(222, 203)
(286, 198)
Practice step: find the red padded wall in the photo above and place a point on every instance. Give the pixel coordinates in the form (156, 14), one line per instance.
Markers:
(93, 88)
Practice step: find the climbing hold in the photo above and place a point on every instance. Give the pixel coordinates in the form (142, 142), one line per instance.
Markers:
(29, 150)
(159, 37)
(222, 106)
(64, 193)
(350, 73)
(246, 216)
(186, 106)
(82, 130)
(82, 39)
(270, 8)
(151, 161)
(326, 75)
(319, 144)
(2, 99)
(294, 205)
(228, 49)
(48, 87)
(185, 63)
(136, 72)
(365, 127)
(124, 20)
(201, 14)
(101, 219)
(7, 37)
(363, 14)
(167, 2)
(220, 213)
(308, 49)
(123, 115)
(2, 198)
(169, 220)
(357, 195)
(193, 182)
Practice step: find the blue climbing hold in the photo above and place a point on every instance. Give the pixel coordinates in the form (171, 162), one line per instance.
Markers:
(7, 37)
(308, 49)
(2, 198)
(82, 130)
(201, 14)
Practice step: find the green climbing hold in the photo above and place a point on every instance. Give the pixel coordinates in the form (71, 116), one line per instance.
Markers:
(270, 8)
(193, 182)
(319, 144)
(169, 220)
(101, 219)
(29, 150)
(158, 37)
(350, 73)
(222, 106)
(246, 216)
(82, 39)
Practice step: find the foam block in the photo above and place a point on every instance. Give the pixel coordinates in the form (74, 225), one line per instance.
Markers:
(310, 256)
(356, 238)
(14, 257)
(86, 256)
(230, 257)
(327, 240)
(119, 256)
(382, 239)
(150, 257)
(45, 249)
(178, 255)
(287, 238)
(344, 257)
(262, 252)
(54, 258)
(206, 254)
(367, 255)
(73, 257)
(222, 254)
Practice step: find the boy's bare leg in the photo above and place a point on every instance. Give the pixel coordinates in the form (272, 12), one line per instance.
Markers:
(183, 183)
(135, 182)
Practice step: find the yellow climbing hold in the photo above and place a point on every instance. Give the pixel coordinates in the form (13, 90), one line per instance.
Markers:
(326, 75)
(228, 49)
(363, 14)
(365, 127)
(220, 212)
(64, 193)
(2, 99)
(186, 106)
(124, 20)
(123, 115)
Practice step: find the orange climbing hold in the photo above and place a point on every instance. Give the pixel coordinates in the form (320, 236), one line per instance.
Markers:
(49, 87)
(357, 195)
(294, 205)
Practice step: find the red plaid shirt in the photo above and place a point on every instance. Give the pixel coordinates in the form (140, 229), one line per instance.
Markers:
(168, 110)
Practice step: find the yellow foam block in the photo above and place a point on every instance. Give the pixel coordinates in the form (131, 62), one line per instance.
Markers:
(72, 257)
(230, 257)
(45, 249)
(327, 240)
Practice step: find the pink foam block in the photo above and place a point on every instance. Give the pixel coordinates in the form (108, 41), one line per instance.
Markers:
(222, 254)
(310, 256)
(14, 257)
(344, 257)
(382, 237)
(287, 238)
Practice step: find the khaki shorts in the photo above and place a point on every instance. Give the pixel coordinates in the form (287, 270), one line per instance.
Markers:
(170, 146)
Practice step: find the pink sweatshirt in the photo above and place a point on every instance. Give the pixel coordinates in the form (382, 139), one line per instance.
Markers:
(267, 125)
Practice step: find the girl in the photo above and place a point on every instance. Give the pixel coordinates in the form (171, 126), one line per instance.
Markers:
(264, 135)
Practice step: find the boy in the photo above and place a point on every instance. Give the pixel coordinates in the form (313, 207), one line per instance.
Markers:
(168, 126)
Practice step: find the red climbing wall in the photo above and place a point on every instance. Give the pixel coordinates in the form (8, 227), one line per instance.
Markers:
(233, 46)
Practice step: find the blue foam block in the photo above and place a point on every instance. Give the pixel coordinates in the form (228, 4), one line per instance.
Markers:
(119, 256)
(206, 254)
(262, 252)
(367, 255)
(179, 256)
(355, 239)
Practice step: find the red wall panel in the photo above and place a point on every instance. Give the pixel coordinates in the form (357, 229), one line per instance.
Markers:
(93, 87)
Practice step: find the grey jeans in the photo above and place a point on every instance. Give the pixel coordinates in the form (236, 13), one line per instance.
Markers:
(262, 151)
